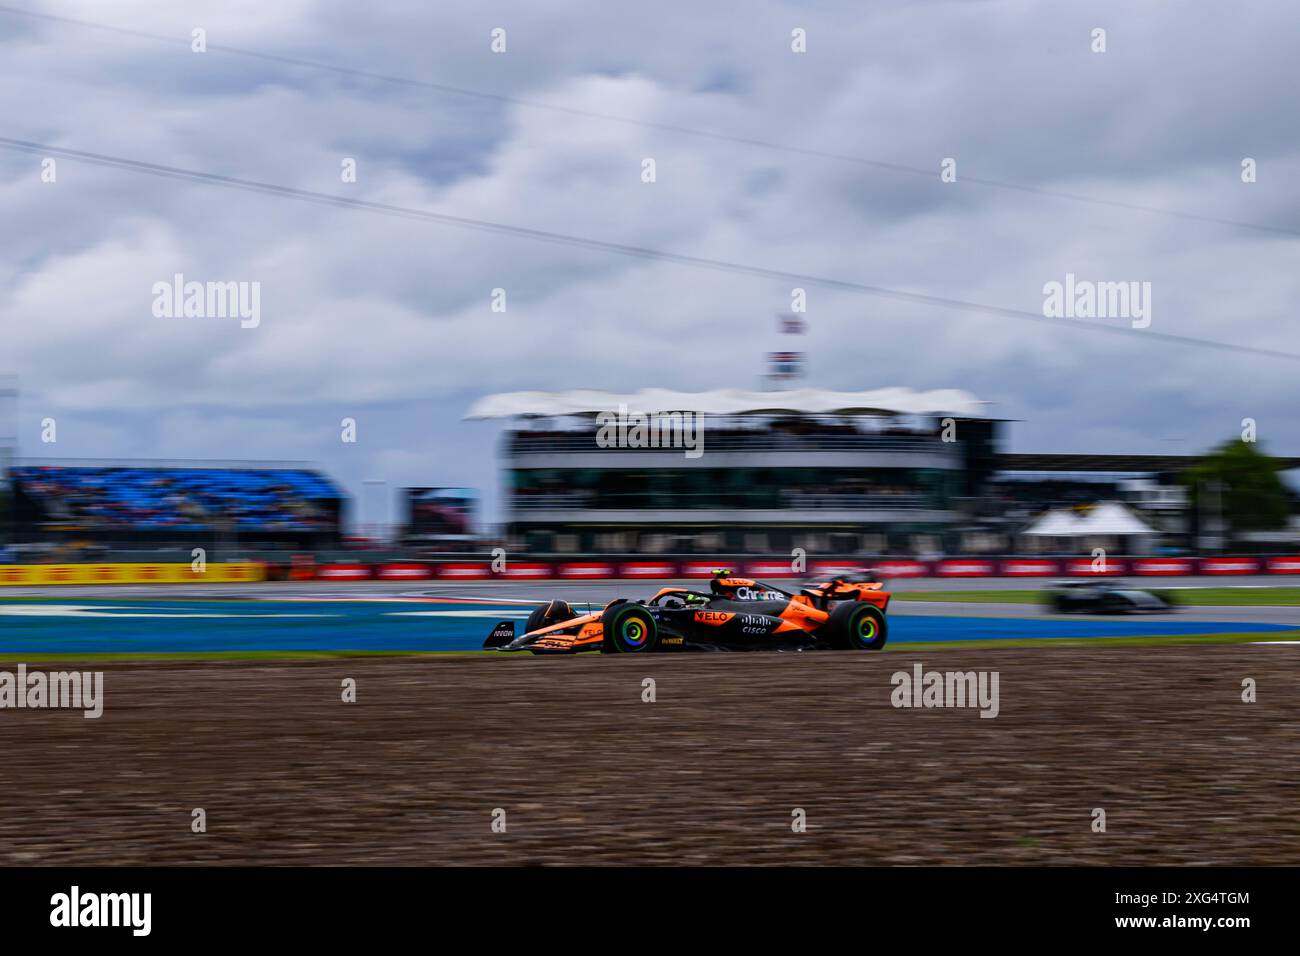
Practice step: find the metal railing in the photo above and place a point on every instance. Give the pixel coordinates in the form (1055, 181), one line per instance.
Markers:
(153, 464)
(795, 500)
(855, 501)
(579, 442)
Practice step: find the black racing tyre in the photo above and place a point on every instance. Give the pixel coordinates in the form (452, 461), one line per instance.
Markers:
(1115, 605)
(550, 613)
(629, 629)
(858, 626)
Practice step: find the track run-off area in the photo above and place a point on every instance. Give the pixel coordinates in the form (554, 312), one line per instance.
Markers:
(304, 619)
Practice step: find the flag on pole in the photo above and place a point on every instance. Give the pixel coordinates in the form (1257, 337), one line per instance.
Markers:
(785, 365)
(790, 324)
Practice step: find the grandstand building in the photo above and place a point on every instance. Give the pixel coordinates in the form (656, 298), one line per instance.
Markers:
(890, 471)
(838, 472)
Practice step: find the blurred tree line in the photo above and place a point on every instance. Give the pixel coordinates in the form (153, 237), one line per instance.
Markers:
(1239, 483)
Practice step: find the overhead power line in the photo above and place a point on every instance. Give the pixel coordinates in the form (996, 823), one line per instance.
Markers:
(929, 173)
(599, 245)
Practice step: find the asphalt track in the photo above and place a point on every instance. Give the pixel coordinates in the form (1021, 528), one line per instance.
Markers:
(582, 590)
(450, 616)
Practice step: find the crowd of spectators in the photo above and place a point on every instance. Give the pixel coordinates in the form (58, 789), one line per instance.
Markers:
(154, 499)
(755, 488)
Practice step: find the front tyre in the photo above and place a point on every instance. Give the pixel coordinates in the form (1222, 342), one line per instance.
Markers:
(629, 629)
(858, 627)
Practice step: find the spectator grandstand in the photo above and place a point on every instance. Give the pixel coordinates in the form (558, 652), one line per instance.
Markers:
(878, 471)
(885, 472)
(153, 504)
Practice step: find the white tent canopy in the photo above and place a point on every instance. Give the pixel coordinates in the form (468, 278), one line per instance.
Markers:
(1056, 523)
(1111, 518)
(728, 401)
(1106, 518)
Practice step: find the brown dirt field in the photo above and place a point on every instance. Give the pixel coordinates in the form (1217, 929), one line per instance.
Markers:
(708, 774)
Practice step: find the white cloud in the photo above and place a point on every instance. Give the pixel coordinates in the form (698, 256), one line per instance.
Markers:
(370, 312)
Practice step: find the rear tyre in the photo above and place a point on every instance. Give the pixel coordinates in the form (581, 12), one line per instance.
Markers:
(859, 627)
(551, 613)
(629, 629)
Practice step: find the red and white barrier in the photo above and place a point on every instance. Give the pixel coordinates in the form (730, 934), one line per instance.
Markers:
(828, 569)
(343, 572)
(404, 572)
(962, 568)
(769, 569)
(541, 570)
(648, 569)
(464, 572)
(588, 569)
(1229, 565)
(1029, 567)
(1163, 566)
(1097, 568)
(526, 571)
(901, 569)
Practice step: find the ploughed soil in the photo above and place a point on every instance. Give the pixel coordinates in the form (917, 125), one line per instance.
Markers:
(711, 772)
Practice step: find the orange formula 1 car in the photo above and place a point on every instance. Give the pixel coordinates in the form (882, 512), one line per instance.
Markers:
(736, 614)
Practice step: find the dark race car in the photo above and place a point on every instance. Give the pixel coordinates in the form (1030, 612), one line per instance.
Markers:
(1103, 597)
(735, 614)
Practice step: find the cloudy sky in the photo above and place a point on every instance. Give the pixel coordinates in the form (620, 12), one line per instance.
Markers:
(388, 320)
